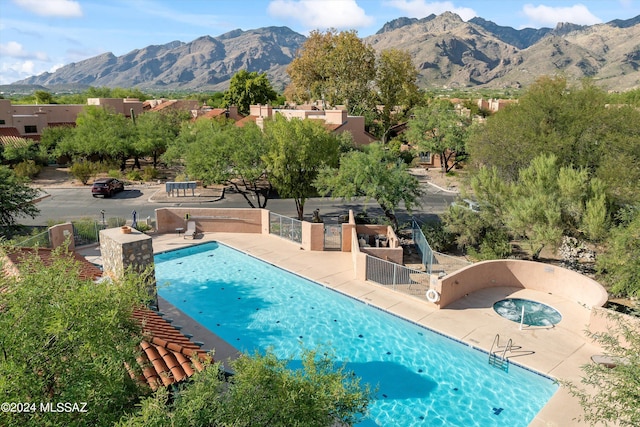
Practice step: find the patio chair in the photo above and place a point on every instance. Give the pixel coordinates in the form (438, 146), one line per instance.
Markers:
(191, 230)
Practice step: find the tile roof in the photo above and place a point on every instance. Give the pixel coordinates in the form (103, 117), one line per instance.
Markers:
(245, 120)
(10, 131)
(167, 355)
(19, 255)
(215, 112)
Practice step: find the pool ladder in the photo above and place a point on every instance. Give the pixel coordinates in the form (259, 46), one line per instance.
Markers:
(498, 357)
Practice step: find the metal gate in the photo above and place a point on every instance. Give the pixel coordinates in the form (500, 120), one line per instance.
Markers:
(332, 237)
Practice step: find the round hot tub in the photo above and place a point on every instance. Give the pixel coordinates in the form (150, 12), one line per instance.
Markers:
(535, 313)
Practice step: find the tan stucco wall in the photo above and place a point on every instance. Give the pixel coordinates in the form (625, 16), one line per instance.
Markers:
(524, 274)
(211, 220)
(61, 233)
(312, 236)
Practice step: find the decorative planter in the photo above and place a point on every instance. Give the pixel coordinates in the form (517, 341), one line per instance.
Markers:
(125, 229)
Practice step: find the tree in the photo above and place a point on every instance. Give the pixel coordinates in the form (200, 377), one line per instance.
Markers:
(155, 130)
(262, 392)
(610, 394)
(68, 339)
(43, 97)
(620, 264)
(397, 90)
(549, 201)
(337, 67)
(546, 203)
(102, 133)
(297, 150)
(53, 135)
(573, 123)
(16, 200)
(249, 88)
(439, 129)
(372, 174)
(220, 152)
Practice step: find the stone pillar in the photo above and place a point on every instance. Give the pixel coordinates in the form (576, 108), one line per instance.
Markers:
(127, 251)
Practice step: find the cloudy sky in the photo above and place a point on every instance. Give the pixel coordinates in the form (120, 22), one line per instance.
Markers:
(43, 35)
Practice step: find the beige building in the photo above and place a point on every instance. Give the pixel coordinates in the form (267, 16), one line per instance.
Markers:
(28, 121)
(336, 120)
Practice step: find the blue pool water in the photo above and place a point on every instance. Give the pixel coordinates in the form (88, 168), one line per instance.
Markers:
(535, 313)
(423, 378)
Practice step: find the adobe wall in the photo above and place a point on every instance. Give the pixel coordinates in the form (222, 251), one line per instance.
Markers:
(212, 220)
(60, 234)
(524, 274)
(312, 236)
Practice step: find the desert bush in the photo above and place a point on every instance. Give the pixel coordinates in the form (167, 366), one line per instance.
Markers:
(149, 173)
(134, 175)
(115, 222)
(83, 170)
(439, 238)
(143, 227)
(27, 169)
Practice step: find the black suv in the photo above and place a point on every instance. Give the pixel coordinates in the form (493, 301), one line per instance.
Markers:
(106, 187)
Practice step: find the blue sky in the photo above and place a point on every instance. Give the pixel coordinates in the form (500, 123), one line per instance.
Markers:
(43, 35)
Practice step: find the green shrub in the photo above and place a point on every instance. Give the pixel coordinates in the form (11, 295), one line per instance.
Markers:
(494, 245)
(83, 170)
(134, 175)
(27, 169)
(114, 173)
(439, 238)
(149, 173)
(116, 222)
(86, 230)
(143, 227)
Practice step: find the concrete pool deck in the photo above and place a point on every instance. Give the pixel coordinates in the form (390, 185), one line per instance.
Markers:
(557, 351)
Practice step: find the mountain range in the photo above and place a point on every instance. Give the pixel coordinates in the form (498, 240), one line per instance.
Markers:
(448, 52)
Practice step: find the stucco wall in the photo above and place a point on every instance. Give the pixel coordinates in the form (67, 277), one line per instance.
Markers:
(312, 236)
(211, 220)
(61, 233)
(524, 274)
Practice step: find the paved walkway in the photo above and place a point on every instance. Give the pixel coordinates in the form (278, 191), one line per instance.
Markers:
(557, 351)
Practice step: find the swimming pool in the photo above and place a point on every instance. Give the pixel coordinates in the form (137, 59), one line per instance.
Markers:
(424, 378)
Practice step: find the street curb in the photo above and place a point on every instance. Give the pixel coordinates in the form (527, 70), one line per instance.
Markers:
(442, 189)
(186, 199)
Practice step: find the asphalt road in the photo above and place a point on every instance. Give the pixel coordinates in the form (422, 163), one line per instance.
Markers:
(71, 204)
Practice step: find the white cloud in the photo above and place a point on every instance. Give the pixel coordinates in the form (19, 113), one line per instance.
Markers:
(321, 14)
(423, 8)
(27, 67)
(14, 71)
(551, 15)
(57, 8)
(55, 67)
(16, 50)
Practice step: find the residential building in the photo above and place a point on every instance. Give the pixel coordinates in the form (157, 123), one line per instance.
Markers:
(28, 121)
(335, 120)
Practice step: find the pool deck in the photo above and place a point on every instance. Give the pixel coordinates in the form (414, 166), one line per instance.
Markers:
(557, 351)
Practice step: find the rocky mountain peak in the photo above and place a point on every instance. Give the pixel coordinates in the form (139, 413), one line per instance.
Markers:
(447, 52)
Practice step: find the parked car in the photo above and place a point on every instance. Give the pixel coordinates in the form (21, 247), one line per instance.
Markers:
(106, 187)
